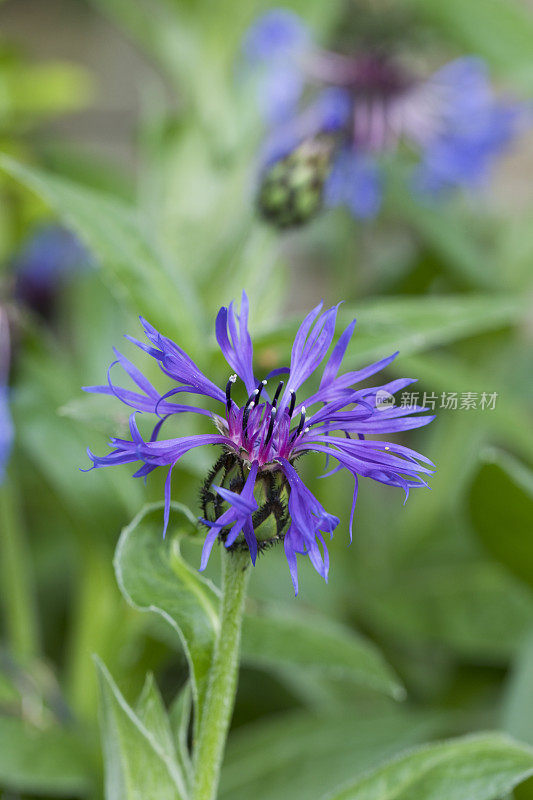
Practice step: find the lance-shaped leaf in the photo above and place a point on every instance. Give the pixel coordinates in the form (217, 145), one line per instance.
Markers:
(180, 720)
(517, 706)
(131, 263)
(300, 755)
(170, 728)
(501, 508)
(136, 763)
(153, 576)
(151, 711)
(408, 324)
(280, 638)
(481, 767)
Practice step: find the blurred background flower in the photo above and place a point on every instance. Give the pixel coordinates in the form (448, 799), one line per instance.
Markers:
(354, 109)
(46, 261)
(6, 424)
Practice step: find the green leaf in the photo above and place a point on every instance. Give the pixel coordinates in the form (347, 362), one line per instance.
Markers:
(470, 606)
(154, 577)
(48, 760)
(481, 767)
(152, 713)
(17, 588)
(411, 325)
(282, 638)
(517, 712)
(499, 30)
(523, 792)
(298, 755)
(136, 765)
(501, 508)
(129, 260)
(180, 719)
(56, 446)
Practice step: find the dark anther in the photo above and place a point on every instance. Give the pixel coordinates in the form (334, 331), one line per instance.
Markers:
(257, 392)
(292, 404)
(270, 427)
(301, 423)
(247, 407)
(276, 396)
(229, 384)
(252, 401)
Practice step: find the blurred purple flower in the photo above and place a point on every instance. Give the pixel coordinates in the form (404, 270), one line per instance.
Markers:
(452, 119)
(265, 435)
(274, 49)
(6, 424)
(48, 258)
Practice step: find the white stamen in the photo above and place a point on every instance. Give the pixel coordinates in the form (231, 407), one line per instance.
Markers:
(233, 378)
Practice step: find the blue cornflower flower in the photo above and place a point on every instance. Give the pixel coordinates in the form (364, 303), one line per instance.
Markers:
(262, 438)
(6, 424)
(354, 110)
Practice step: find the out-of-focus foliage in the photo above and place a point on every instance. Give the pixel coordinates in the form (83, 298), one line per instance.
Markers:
(434, 596)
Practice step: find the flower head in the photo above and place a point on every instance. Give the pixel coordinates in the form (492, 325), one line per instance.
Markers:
(352, 109)
(259, 497)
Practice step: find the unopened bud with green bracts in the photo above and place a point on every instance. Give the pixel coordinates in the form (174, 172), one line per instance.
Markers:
(271, 493)
(292, 190)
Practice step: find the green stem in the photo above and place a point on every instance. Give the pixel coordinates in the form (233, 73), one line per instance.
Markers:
(220, 699)
(16, 580)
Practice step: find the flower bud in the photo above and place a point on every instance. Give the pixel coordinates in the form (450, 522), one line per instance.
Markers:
(291, 191)
(271, 493)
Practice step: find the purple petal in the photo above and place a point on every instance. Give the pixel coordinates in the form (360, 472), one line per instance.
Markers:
(6, 430)
(328, 114)
(355, 181)
(290, 554)
(310, 346)
(240, 503)
(236, 529)
(208, 546)
(275, 34)
(176, 364)
(337, 388)
(308, 519)
(337, 354)
(251, 540)
(135, 374)
(237, 346)
(167, 500)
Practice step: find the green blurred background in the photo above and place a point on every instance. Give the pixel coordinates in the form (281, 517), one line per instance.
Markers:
(123, 121)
